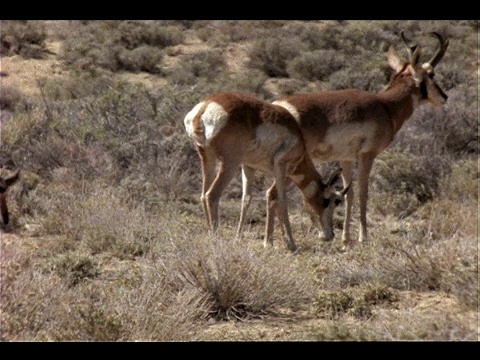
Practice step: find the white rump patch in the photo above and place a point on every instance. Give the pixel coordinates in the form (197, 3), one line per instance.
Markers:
(188, 121)
(214, 118)
(289, 107)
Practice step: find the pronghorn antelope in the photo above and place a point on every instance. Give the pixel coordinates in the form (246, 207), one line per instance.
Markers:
(235, 130)
(5, 183)
(353, 125)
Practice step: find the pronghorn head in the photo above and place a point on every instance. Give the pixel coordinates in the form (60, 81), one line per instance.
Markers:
(5, 183)
(332, 197)
(422, 74)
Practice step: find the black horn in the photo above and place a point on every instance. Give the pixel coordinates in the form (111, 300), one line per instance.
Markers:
(441, 49)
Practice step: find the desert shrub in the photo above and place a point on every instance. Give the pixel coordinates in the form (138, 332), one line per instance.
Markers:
(354, 301)
(351, 78)
(133, 34)
(24, 37)
(405, 181)
(9, 98)
(316, 65)
(207, 64)
(137, 305)
(235, 281)
(74, 267)
(271, 55)
(450, 130)
(406, 262)
(358, 36)
(461, 183)
(143, 58)
(119, 45)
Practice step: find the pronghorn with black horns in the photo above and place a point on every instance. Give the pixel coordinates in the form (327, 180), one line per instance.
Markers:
(352, 125)
(233, 130)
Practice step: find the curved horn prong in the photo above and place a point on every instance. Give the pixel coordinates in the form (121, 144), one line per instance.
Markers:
(441, 49)
(411, 46)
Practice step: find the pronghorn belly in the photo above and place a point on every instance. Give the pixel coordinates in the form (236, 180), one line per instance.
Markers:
(344, 142)
(272, 142)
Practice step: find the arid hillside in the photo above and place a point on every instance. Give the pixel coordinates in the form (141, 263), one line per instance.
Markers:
(107, 239)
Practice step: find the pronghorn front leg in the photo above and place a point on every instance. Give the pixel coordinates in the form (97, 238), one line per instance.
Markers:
(365, 163)
(280, 171)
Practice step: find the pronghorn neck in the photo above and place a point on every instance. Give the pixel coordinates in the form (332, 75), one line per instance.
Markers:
(307, 179)
(400, 98)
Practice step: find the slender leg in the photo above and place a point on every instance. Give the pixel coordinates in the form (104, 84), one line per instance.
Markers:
(282, 210)
(365, 166)
(209, 163)
(347, 174)
(271, 212)
(225, 174)
(247, 180)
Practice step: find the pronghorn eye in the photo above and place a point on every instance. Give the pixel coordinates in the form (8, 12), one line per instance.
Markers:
(338, 202)
(431, 75)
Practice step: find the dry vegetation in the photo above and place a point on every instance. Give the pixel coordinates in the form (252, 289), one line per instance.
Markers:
(107, 239)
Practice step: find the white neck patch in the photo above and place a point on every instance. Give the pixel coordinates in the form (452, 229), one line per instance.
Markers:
(289, 107)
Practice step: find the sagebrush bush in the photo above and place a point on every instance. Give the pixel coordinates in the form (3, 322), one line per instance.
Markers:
(24, 37)
(272, 55)
(315, 65)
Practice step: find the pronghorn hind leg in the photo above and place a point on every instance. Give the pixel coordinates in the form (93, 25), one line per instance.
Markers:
(208, 163)
(225, 174)
(247, 180)
(347, 174)
(271, 199)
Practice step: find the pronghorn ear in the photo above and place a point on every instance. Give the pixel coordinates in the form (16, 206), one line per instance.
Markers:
(393, 59)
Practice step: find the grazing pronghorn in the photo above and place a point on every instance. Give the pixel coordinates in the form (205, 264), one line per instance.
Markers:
(5, 183)
(233, 130)
(353, 125)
